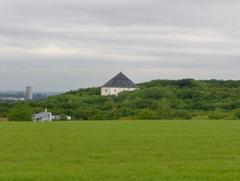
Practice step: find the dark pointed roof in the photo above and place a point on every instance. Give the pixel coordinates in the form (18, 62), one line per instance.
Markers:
(120, 80)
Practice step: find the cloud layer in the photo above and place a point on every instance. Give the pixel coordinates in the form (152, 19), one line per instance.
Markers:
(62, 45)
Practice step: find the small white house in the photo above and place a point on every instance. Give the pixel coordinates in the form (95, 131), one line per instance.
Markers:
(118, 84)
(43, 116)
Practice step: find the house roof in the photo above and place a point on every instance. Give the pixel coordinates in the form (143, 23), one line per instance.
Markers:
(41, 114)
(120, 80)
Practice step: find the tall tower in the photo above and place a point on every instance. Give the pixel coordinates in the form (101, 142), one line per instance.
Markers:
(29, 93)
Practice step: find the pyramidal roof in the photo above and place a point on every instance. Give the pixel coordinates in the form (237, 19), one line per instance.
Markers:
(120, 80)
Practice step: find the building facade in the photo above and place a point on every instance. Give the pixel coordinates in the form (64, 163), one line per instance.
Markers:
(117, 84)
(43, 117)
(49, 117)
(29, 93)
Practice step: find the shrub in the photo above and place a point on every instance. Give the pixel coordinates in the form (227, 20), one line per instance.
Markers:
(20, 112)
(146, 114)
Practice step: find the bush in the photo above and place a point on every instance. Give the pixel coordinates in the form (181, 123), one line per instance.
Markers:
(146, 114)
(20, 112)
(236, 113)
(217, 115)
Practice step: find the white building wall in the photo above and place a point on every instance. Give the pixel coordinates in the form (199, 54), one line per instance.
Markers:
(106, 91)
(47, 118)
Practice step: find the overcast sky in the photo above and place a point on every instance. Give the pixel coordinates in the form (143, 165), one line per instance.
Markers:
(58, 45)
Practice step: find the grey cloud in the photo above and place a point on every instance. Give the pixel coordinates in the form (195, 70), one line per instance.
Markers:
(65, 45)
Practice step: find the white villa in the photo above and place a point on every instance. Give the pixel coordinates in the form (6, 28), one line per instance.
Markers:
(117, 84)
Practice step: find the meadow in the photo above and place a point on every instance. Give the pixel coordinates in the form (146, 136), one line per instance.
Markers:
(120, 151)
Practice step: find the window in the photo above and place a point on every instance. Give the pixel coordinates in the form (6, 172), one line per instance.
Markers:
(106, 90)
(115, 90)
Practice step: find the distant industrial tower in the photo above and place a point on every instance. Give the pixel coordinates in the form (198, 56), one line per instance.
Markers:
(29, 93)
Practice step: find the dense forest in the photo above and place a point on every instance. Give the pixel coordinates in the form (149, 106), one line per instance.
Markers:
(157, 99)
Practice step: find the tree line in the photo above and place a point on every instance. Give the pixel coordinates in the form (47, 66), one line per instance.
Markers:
(157, 99)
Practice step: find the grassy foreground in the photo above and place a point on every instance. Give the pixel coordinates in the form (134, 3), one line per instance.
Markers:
(120, 150)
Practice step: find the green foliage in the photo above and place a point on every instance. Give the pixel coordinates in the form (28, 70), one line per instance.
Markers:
(4, 109)
(158, 99)
(237, 113)
(146, 114)
(20, 112)
(164, 110)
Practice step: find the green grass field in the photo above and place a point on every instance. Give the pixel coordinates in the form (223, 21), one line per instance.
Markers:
(120, 150)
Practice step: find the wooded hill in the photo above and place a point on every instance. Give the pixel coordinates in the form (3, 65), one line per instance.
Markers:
(157, 99)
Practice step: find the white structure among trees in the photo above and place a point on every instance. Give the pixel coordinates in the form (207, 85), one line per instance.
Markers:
(118, 84)
(43, 117)
(49, 117)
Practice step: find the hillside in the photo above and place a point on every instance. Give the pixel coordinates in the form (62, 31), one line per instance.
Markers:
(158, 99)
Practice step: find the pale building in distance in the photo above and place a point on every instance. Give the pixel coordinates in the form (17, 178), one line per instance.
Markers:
(117, 84)
(29, 93)
(43, 116)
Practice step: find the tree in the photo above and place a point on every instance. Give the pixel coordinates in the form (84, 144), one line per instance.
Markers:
(164, 110)
(146, 114)
(20, 112)
(237, 113)
(82, 113)
(158, 99)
